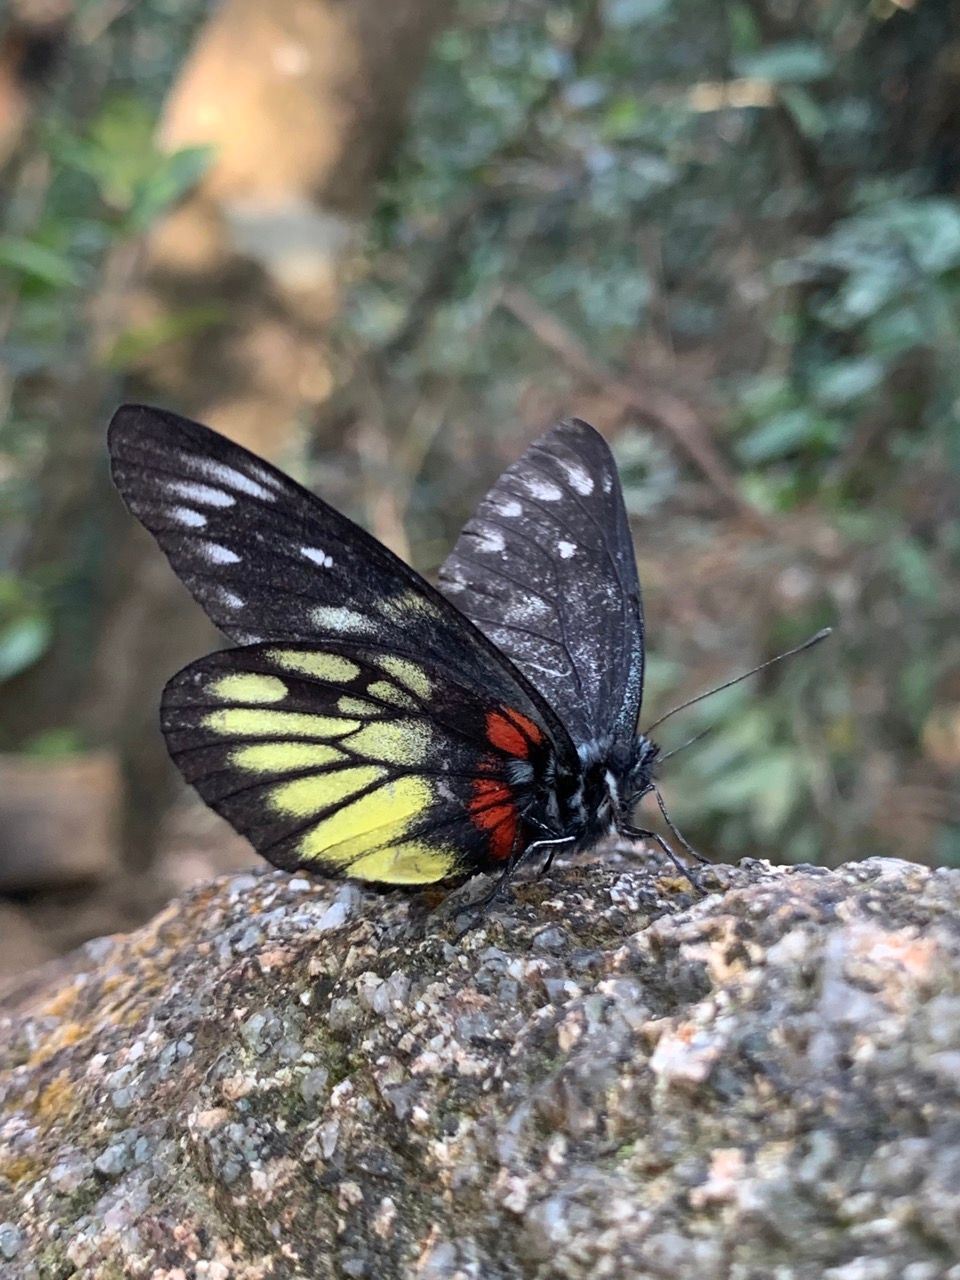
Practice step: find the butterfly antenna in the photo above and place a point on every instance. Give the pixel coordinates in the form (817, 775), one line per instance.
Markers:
(807, 644)
(689, 743)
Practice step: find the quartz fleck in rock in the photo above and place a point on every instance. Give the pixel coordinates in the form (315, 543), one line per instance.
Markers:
(10, 1240)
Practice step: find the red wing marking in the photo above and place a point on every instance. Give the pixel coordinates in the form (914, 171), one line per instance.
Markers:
(512, 732)
(493, 810)
(533, 731)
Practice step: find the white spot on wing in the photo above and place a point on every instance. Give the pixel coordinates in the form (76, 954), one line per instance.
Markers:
(579, 478)
(231, 599)
(488, 539)
(508, 507)
(545, 490)
(337, 618)
(231, 478)
(271, 482)
(219, 555)
(201, 493)
(528, 611)
(186, 516)
(531, 608)
(318, 556)
(566, 549)
(607, 482)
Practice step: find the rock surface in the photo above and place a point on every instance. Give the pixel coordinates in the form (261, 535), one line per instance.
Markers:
(607, 1078)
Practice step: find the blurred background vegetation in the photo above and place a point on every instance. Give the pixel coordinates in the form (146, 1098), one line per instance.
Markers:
(386, 246)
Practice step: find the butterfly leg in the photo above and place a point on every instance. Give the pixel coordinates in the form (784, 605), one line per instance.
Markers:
(554, 848)
(501, 885)
(701, 858)
(480, 906)
(687, 872)
(483, 905)
(551, 842)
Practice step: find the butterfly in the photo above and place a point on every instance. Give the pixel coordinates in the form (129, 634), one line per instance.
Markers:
(370, 725)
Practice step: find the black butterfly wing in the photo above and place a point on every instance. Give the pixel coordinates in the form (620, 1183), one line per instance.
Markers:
(268, 560)
(348, 761)
(545, 568)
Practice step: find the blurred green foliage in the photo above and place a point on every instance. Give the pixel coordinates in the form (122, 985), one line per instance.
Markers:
(754, 203)
(89, 179)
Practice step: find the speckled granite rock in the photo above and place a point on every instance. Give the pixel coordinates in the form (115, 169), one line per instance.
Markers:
(606, 1079)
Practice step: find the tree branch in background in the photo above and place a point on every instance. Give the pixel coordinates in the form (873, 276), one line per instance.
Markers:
(661, 409)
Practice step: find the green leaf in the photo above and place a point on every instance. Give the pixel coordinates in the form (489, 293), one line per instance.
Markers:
(865, 293)
(174, 176)
(780, 785)
(54, 744)
(22, 642)
(38, 262)
(947, 846)
(845, 381)
(792, 62)
(895, 331)
(623, 14)
(134, 344)
(811, 119)
(783, 434)
(744, 35)
(768, 785)
(120, 153)
(930, 229)
(914, 567)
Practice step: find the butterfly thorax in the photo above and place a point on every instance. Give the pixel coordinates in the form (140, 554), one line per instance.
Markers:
(598, 798)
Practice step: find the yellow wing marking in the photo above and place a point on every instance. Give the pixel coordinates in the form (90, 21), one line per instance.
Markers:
(284, 757)
(247, 686)
(389, 693)
(400, 607)
(325, 666)
(410, 863)
(304, 796)
(348, 706)
(408, 673)
(404, 742)
(243, 722)
(377, 820)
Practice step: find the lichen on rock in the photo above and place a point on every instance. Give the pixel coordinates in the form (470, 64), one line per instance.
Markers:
(606, 1078)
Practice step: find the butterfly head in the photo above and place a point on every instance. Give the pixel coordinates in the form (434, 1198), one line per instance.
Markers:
(600, 798)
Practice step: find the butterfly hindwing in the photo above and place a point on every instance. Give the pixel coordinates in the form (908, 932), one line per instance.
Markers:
(349, 761)
(546, 569)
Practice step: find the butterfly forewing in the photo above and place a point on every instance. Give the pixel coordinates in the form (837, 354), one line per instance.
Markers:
(268, 560)
(349, 761)
(546, 569)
